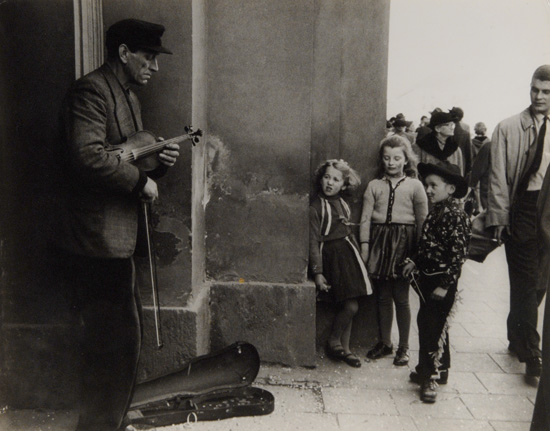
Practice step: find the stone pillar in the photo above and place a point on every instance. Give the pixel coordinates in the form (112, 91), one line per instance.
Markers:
(291, 83)
(349, 109)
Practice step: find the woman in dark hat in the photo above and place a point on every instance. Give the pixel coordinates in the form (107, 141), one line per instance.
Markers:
(441, 253)
(440, 144)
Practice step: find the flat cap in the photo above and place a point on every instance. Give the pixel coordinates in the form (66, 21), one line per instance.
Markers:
(136, 34)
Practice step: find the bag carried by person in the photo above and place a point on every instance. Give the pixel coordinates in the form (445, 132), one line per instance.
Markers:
(482, 242)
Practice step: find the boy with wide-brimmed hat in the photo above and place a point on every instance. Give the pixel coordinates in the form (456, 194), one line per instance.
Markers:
(441, 253)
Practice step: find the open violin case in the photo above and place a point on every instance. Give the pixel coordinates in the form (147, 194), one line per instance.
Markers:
(210, 387)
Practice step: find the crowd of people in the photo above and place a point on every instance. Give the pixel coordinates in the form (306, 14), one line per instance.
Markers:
(415, 230)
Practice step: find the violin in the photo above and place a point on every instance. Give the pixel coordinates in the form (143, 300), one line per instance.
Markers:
(141, 148)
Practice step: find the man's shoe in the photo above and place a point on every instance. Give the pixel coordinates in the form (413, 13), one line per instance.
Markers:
(443, 377)
(429, 391)
(379, 351)
(401, 357)
(533, 366)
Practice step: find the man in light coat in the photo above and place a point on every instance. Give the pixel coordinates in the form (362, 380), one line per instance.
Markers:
(515, 179)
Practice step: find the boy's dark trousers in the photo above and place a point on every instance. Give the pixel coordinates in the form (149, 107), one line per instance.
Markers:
(431, 320)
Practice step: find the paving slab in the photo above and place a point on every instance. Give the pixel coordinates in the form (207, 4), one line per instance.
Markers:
(511, 426)
(272, 422)
(373, 422)
(457, 330)
(463, 383)
(486, 330)
(508, 384)
(465, 316)
(294, 399)
(434, 424)
(448, 405)
(508, 362)
(474, 362)
(358, 401)
(478, 345)
(499, 407)
(372, 378)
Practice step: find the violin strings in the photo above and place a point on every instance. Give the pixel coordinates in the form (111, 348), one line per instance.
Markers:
(138, 153)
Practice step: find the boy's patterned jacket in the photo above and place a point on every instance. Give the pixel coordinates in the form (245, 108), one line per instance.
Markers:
(444, 242)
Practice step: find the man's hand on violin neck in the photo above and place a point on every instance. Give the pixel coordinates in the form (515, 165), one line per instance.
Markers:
(169, 154)
(150, 192)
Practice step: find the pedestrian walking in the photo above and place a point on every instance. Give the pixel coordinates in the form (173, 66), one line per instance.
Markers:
(520, 156)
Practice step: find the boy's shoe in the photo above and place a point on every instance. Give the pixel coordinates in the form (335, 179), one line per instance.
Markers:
(379, 351)
(401, 357)
(429, 391)
(443, 377)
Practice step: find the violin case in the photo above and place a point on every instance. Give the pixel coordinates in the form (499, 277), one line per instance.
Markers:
(209, 387)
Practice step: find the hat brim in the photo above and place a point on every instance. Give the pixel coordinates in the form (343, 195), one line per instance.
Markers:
(399, 123)
(461, 185)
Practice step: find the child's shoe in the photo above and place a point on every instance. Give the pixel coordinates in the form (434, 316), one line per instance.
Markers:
(429, 391)
(379, 351)
(401, 357)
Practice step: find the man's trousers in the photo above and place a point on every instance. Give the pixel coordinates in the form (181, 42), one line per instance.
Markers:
(105, 295)
(522, 255)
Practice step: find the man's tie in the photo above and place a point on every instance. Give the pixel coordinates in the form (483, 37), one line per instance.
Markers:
(535, 165)
(540, 147)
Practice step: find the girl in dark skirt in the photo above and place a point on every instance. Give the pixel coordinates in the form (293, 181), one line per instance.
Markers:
(394, 208)
(334, 256)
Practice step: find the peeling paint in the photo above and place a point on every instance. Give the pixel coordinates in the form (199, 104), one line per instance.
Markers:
(166, 247)
(168, 238)
(218, 165)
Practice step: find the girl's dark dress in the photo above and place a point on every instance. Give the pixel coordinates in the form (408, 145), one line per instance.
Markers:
(333, 250)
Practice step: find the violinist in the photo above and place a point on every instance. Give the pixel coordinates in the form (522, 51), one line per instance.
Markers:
(98, 227)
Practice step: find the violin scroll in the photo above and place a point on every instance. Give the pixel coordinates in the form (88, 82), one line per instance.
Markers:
(193, 135)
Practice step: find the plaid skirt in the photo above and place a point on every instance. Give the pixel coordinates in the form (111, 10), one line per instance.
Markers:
(390, 245)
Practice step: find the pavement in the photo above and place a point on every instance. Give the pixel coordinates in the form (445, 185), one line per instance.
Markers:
(487, 388)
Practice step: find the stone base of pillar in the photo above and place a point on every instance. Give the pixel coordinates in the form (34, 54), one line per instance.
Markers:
(278, 319)
(364, 332)
(185, 334)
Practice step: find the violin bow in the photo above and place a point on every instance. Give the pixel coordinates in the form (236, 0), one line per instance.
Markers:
(153, 272)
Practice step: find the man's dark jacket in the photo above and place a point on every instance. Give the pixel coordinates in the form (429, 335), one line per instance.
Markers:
(99, 210)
